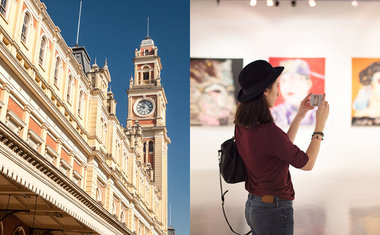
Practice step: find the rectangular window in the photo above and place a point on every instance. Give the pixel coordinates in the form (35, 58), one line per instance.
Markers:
(51, 155)
(3, 7)
(13, 126)
(146, 76)
(34, 140)
(14, 122)
(77, 180)
(63, 167)
(151, 147)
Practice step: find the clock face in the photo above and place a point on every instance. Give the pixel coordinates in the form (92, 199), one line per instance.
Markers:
(144, 107)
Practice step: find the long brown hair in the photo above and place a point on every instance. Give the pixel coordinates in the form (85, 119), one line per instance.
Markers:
(253, 113)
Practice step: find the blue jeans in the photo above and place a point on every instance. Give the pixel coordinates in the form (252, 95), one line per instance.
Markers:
(269, 218)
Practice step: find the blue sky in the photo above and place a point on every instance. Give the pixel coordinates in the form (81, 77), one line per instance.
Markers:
(113, 30)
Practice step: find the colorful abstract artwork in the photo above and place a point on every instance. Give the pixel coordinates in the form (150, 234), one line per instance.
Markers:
(300, 77)
(365, 92)
(212, 91)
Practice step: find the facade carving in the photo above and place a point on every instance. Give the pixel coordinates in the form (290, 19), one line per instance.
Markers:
(62, 146)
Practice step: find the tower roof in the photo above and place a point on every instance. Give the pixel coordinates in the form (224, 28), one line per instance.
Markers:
(147, 42)
(171, 230)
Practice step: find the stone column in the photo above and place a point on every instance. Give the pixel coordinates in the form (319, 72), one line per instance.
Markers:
(24, 131)
(109, 195)
(71, 154)
(20, 18)
(146, 152)
(91, 178)
(35, 43)
(59, 149)
(6, 90)
(84, 175)
(43, 136)
(131, 218)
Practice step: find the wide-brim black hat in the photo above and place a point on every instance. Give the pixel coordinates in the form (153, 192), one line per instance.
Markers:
(255, 77)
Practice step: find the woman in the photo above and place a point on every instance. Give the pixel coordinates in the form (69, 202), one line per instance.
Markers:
(267, 151)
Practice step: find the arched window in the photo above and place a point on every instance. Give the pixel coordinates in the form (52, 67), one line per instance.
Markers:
(69, 88)
(150, 147)
(42, 50)
(146, 52)
(19, 231)
(80, 103)
(3, 7)
(25, 27)
(144, 148)
(56, 71)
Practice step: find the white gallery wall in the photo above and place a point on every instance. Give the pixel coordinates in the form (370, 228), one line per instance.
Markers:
(342, 193)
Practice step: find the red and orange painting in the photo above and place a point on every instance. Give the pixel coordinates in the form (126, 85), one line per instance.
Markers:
(300, 77)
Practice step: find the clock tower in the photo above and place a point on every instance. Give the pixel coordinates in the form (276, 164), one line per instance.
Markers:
(147, 108)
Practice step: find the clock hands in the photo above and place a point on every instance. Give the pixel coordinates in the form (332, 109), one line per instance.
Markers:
(144, 107)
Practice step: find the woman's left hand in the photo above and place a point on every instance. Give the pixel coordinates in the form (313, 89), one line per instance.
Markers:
(305, 106)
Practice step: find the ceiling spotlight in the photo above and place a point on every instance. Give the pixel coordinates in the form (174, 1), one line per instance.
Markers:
(253, 3)
(312, 3)
(293, 3)
(277, 3)
(355, 3)
(270, 3)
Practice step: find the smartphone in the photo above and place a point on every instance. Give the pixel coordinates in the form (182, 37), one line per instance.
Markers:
(315, 100)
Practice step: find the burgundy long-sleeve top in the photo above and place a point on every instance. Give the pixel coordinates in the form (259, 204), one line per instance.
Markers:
(267, 152)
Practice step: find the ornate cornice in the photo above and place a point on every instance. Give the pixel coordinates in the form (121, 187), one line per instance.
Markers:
(31, 156)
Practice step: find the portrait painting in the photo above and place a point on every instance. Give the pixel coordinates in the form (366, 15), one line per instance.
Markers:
(300, 77)
(213, 89)
(365, 92)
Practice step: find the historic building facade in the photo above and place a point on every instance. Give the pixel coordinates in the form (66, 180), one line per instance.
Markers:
(66, 163)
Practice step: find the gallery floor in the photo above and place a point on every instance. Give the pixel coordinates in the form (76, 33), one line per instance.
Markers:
(344, 203)
(339, 196)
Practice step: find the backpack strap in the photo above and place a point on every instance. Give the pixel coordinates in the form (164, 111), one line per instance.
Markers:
(222, 197)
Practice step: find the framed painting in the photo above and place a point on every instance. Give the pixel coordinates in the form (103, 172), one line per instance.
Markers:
(300, 77)
(213, 88)
(365, 109)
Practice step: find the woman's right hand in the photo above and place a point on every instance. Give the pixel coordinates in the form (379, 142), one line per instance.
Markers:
(322, 114)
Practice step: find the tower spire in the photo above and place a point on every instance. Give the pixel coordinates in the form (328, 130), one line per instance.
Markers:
(147, 29)
(80, 12)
